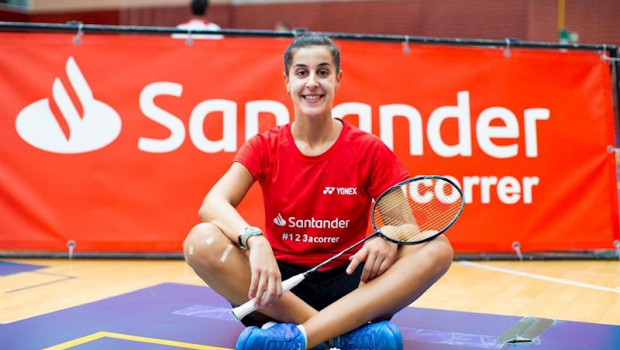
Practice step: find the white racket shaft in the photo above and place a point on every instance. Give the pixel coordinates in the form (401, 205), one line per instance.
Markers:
(250, 306)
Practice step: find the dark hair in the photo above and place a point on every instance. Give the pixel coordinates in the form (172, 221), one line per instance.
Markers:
(311, 39)
(199, 7)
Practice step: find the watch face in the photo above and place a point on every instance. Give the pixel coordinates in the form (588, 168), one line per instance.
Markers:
(247, 233)
(253, 230)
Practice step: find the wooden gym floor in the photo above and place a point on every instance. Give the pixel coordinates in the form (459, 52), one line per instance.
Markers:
(580, 290)
(585, 291)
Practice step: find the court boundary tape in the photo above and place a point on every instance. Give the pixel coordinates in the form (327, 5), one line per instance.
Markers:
(539, 277)
(99, 335)
(61, 278)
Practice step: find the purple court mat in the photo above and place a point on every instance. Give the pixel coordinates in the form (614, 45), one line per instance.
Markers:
(10, 268)
(175, 316)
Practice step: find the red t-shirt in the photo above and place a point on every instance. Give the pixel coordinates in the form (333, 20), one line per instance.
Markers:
(317, 206)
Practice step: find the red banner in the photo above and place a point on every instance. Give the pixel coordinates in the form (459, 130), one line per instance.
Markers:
(112, 142)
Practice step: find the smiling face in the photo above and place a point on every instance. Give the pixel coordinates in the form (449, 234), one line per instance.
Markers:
(312, 80)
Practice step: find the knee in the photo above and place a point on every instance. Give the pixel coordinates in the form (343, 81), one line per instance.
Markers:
(202, 242)
(441, 254)
(197, 235)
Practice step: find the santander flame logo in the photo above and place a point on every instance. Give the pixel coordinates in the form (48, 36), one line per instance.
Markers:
(279, 220)
(87, 127)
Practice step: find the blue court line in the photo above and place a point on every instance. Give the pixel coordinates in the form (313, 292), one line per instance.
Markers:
(64, 278)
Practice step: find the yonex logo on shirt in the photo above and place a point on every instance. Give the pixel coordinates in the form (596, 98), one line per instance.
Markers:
(342, 191)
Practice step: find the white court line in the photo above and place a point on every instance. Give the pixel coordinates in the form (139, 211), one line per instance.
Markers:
(539, 277)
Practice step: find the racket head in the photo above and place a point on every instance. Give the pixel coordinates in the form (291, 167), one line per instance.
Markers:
(418, 209)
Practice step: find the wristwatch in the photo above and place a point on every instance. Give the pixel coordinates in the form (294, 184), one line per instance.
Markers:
(247, 233)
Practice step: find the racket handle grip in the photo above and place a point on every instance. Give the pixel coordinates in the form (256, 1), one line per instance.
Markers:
(250, 306)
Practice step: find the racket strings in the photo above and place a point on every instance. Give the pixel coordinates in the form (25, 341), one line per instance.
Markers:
(405, 215)
(436, 217)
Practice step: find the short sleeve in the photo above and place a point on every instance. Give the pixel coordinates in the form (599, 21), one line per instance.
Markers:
(385, 169)
(252, 156)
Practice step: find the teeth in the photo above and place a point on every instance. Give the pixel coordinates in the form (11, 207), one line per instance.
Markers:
(312, 97)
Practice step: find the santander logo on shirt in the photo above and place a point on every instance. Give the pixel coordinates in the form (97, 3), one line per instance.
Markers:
(279, 220)
(294, 222)
(83, 125)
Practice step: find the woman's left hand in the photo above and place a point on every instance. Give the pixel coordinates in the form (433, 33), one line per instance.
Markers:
(379, 255)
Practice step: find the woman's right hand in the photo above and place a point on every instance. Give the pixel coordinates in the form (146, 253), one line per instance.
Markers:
(266, 282)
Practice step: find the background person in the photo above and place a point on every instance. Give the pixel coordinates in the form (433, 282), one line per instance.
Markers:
(199, 21)
(282, 26)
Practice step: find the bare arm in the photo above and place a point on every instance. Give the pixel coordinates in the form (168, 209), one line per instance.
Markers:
(219, 208)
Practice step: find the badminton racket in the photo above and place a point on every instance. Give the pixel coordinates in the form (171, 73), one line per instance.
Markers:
(411, 212)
